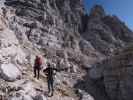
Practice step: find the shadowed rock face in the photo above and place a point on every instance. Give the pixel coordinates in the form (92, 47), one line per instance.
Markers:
(117, 74)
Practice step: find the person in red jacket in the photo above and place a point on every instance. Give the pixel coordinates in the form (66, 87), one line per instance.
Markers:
(37, 66)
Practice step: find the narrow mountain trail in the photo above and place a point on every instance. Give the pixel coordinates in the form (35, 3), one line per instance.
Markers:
(62, 91)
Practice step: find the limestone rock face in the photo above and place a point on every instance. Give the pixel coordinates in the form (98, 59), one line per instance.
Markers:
(56, 34)
(49, 28)
(11, 54)
(68, 15)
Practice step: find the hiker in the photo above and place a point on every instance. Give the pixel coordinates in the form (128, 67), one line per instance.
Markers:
(37, 66)
(50, 72)
(50, 77)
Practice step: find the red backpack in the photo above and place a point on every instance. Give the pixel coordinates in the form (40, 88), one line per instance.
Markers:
(39, 61)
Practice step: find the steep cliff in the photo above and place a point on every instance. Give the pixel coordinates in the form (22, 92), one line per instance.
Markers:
(116, 74)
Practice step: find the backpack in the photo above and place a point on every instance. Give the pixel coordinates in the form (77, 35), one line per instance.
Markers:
(38, 62)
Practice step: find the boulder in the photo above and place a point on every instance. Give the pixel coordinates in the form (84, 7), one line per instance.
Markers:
(40, 97)
(85, 95)
(27, 97)
(9, 72)
(20, 97)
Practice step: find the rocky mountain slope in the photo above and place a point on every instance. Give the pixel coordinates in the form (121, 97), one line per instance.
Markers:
(106, 32)
(116, 74)
(61, 32)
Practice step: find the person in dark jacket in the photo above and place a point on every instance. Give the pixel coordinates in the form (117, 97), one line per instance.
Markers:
(37, 66)
(50, 77)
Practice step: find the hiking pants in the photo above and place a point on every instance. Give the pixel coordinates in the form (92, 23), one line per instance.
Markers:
(50, 85)
(36, 72)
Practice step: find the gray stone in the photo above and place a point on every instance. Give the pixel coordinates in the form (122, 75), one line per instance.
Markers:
(40, 97)
(85, 96)
(9, 72)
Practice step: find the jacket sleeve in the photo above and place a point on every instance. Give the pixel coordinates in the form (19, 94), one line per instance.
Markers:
(61, 69)
(45, 70)
(55, 69)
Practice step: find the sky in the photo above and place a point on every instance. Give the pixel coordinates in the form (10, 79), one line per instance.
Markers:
(121, 8)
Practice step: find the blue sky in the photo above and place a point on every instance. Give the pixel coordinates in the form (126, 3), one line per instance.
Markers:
(121, 8)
